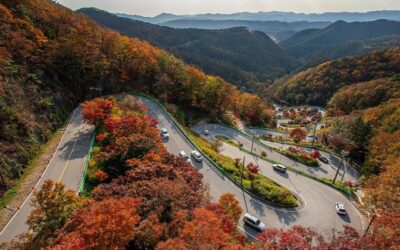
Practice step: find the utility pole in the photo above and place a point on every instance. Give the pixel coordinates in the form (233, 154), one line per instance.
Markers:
(252, 143)
(344, 169)
(370, 223)
(343, 153)
(315, 129)
(241, 173)
(337, 172)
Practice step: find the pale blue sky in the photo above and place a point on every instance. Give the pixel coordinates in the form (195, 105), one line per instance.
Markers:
(155, 7)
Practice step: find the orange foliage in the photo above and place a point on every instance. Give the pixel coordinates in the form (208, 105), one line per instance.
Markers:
(97, 110)
(196, 234)
(109, 224)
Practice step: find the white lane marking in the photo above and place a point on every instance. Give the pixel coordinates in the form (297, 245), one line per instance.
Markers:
(41, 176)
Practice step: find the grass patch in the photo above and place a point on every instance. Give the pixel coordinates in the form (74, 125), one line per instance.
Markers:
(257, 184)
(300, 157)
(227, 140)
(32, 165)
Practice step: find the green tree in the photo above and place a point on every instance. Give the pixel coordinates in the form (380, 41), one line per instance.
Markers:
(360, 132)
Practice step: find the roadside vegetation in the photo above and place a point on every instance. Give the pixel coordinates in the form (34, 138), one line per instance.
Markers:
(299, 156)
(253, 181)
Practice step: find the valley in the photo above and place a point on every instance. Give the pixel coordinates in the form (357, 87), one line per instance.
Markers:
(249, 130)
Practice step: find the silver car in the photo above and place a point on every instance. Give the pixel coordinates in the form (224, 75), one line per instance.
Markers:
(197, 156)
(164, 133)
(253, 222)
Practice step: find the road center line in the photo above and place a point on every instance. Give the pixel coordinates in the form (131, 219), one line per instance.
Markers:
(69, 156)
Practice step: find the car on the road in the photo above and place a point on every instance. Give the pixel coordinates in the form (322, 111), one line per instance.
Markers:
(323, 159)
(206, 132)
(340, 209)
(184, 156)
(280, 168)
(253, 222)
(164, 133)
(197, 156)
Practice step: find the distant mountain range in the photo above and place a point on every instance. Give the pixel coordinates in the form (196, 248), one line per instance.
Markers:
(342, 39)
(276, 16)
(237, 54)
(277, 30)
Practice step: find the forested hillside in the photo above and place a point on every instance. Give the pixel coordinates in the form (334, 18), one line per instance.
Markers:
(342, 39)
(237, 54)
(317, 85)
(366, 94)
(51, 56)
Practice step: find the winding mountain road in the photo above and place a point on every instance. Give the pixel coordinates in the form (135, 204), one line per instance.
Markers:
(317, 211)
(324, 170)
(66, 166)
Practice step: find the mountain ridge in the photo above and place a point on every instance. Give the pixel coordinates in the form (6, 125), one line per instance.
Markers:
(236, 54)
(278, 15)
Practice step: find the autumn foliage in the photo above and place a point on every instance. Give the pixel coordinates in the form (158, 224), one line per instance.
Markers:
(297, 134)
(51, 58)
(109, 224)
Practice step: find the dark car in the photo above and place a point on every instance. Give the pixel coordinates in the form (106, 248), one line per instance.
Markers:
(323, 159)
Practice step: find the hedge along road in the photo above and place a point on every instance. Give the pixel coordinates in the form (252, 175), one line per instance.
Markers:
(318, 211)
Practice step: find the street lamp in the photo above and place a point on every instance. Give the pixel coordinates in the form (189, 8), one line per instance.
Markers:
(97, 89)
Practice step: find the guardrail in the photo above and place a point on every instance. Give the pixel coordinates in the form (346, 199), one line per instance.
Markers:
(84, 177)
(211, 162)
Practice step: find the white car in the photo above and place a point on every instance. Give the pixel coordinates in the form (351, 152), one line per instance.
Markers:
(253, 222)
(197, 156)
(206, 132)
(279, 167)
(164, 133)
(183, 155)
(340, 209)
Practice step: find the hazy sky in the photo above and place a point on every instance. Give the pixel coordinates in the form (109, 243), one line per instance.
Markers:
(155, 7)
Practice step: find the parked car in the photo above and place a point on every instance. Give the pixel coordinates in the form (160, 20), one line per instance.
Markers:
(323, 159)
(164, 133)
(280, 168)
(206, 132)
(197, 156)
(253, 222)
(340, 209)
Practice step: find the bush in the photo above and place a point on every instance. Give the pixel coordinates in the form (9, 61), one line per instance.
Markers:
(270, 191)
(300, 157)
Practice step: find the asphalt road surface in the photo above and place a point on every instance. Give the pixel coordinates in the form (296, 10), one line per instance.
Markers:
(318, 211)
(66, 166)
